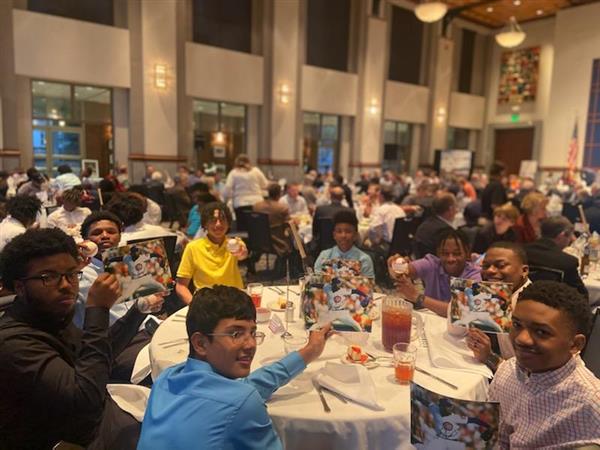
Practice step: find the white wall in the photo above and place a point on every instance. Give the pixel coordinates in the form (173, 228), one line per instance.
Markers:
(577, 44)
(329, 91)
(56, 48)
(406, 102)
(217, 74)
(466, 111)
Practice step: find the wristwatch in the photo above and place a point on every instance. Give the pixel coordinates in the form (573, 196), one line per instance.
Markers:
(143, 305)
(419, 302)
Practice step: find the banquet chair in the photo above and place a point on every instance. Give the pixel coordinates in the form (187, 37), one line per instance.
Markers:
(259, 237)
(538, 273)
(403, 236)
(325, 239)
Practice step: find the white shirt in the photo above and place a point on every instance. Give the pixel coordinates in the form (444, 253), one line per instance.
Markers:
(153, 214)
(384, 217)
(69, 221)
(143, 231)
(65, 181)
(296, 206)
(245, 187)
(9, 229)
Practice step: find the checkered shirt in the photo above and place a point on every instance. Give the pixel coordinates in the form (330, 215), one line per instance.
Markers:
(556, 409)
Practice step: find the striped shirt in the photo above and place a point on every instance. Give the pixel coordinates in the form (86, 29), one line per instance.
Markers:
(555, 409)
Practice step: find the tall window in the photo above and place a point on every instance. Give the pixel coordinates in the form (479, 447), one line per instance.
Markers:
(223, 23)
(321, 142)
(458, 138)
(71, 123)
(219, 133)
(328, 34)
(467, 53)
(397, 142)
(406, 43)
(98, 11)
(591, 155)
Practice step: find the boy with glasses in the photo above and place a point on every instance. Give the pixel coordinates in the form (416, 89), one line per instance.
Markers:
(53, 376)
(212, 401)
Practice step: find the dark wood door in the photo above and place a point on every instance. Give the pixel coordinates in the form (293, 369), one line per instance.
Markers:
(513, 145)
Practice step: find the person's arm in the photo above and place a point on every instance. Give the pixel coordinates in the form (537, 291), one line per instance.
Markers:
(320, 260)
(408, 290)
(481, 346)
(367, 268)
(183, 291)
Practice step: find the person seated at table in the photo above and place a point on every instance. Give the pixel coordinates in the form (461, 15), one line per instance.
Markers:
(435, 271)
(501, 229)
(293, 200)
(336, 195)
(534, 211)
(557, 234)
(207, 261)
(213, 397)
(345, 232)
(22, 214)
(53, 376)
(444, 209)
(371, 201)
(506, 262)
(70, 215)
(548, 398)
(383, 219)
(104, 229)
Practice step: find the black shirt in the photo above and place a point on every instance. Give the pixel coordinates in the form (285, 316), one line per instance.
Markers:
(53, 376)
(493, 195)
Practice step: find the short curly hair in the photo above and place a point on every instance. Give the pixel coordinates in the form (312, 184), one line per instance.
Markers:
(128, 206)
(97, 216)
(564, 298)
(346, 216)
(24, 208)
(34, 243)
(207, 213)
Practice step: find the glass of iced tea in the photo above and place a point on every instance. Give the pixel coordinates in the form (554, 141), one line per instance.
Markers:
(255, 291)
(396, 317)
(405, 356)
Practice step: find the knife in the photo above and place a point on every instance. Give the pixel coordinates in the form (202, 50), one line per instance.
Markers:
(435, 377)
(335, 394)
(317, 386)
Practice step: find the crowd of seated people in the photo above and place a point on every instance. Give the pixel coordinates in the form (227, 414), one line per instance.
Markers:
(64, 337)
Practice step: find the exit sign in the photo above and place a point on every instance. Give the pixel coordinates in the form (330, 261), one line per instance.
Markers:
(515, 117)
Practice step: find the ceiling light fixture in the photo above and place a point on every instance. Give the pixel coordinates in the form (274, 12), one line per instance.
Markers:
(517, 2)
(430, 11)
(490, 9)
(513, 37)
(539, 12)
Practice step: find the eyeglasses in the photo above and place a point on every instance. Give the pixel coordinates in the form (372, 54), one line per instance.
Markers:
(53, 279)
(242, 336)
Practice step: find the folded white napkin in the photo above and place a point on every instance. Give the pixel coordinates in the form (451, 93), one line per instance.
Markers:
(142, 367)
(449, 352)
(131, 398)
(351, 381)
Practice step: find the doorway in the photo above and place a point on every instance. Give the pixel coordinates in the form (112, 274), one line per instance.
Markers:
(513, 145)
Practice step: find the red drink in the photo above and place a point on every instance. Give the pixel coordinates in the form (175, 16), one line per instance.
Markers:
(256, 298)
(395, 327)
(404, 372)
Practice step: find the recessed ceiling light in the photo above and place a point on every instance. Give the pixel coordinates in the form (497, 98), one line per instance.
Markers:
(516, 2)
(539, 12)
(490, 9)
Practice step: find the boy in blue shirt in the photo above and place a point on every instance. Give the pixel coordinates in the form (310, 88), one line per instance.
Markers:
(211, 401)
(345, 230)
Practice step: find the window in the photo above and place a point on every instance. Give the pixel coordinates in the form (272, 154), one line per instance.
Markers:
(219, 133)
(397, 142)
(98, 11)
(71, 123)
(328, 34)
(405, 46)
(591, 153)
(458, 138)
(223, 23)
(467, 53)
(321, 142)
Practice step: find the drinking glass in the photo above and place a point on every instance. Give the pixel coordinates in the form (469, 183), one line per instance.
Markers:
(396, 319)
(405, 356)
(293, 343)
(255, 291)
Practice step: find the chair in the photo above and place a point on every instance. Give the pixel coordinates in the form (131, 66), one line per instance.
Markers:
(403, 236)
(139, 189)
(571, 212)
(537, 273)
(156, 193)
(259, 236)
(325, 239)
(591, 352)
(169, 210)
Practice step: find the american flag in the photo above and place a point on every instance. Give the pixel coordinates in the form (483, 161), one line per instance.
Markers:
(573, 149)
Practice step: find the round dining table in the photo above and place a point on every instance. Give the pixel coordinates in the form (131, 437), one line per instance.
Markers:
(296, 410)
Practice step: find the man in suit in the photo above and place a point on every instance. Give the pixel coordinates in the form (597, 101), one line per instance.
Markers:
(279, 215)
(336, 194)
(444, 208)
(557, 233)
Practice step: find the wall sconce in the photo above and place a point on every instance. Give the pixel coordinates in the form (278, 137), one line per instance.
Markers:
(218, 138)
(160, 76)
(441, 114)
(373, 106)
(284, 93)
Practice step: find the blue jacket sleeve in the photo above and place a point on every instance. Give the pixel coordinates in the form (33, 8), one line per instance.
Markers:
(193, 221)
(268, 379)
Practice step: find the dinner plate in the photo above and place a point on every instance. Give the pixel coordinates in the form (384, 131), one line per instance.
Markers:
(369, 363)
(274, 306)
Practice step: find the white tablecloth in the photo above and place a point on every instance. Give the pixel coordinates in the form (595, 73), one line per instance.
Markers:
(592, 283)
(296, 410)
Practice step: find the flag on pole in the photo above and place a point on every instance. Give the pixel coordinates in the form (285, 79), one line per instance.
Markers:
(573, 150)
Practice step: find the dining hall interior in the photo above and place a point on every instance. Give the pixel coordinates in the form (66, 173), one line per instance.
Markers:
(291, 224)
